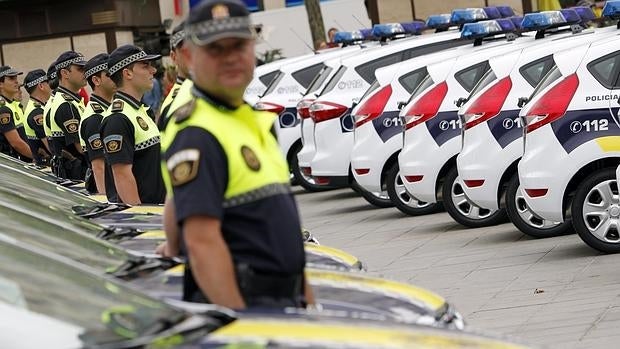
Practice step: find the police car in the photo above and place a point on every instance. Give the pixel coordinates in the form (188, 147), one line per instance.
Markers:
(331, 111)
(287, 89)
(572, 141)
(492, 142)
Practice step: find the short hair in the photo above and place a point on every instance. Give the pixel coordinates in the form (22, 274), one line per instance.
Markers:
(90, 81)
(31, 88)
(53, 83)
(118, 76)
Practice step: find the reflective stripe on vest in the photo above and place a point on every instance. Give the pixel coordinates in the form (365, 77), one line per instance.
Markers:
(55, 129)
(32, 105)
(88, 112)
(170, 97)
(47, 117)
(146, 133)
(184, 96)
(237, 131)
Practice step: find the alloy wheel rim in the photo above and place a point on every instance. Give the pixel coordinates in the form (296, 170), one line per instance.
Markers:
(529, 217)
(404, 196)
(601, 211)
(464, 206)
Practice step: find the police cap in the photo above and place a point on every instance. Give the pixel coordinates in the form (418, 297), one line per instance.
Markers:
(35, 77)
(51, 71)
(178, 35)
(96, 64)
(69, 58)
(125, 55)
(6, 70)
(213, 20)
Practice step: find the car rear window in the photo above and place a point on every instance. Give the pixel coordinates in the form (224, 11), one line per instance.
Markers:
(469, 77)
(411, 80)
(485, 80)
(534, 72)
(426, 82)
(553, 75)
(305, 76)
(319, 79)
(274, 82)
(334, 80)
(606, 69)
(268, 78)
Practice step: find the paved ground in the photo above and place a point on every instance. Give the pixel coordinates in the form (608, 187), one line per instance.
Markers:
(555, 293)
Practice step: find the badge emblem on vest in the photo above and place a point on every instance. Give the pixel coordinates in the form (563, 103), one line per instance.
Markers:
(143, 125)
(17, 117)
(250, 158)
(5, 119)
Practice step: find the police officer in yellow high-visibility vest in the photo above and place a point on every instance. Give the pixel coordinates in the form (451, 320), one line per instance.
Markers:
(39, 90)
(177, 41)
(65, 115)
(52, 79)
(13, 139)
(227, 177)
(130, 137)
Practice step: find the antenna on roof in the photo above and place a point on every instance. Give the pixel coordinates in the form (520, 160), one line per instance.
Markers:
(302, 40)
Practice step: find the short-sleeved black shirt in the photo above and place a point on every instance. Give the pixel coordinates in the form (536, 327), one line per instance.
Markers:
(64, 116)
(146, 162)
(265, 234)
(7, 123)
(35, 119)
(89, 129)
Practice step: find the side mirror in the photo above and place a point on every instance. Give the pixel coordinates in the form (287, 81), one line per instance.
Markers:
(461, 101)
(402, 104)
(522, 101)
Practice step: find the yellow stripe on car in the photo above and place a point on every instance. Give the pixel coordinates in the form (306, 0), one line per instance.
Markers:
(152, 235)
(332, 252)
(609, 143)
(145, 209)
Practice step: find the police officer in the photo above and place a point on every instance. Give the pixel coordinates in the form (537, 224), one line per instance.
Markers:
(131, 138)
(13, 139)
(52, 79)
(65, 114)
(227, 176)
(97, 77)
(39, 91)
(176, 45)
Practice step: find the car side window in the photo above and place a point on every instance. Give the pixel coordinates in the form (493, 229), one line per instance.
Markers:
(367, 70)
(469, 77)
(268, 78)
(411, 80)
(606, 69)
(534, 72)
(274, 82)
(305, 76)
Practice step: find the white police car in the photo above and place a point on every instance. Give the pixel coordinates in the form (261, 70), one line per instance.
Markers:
(572, 141)
(333, 128)
(492, 142)
(285, 91)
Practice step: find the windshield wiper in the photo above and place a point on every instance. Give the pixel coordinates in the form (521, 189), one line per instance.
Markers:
(137, 266)
(118, 233)
(97, 210)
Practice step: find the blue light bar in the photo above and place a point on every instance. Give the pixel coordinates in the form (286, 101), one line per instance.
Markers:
(480, 29)
(542, 20)
(467, 15)
(585, 13)
(506, 24)
(438, 21)
(506, 11)
(387, 30)
(348, 37)
(516, 20)
(611, 9)
(492, 12)
(570, 15)
(366, 33)
(415, 27)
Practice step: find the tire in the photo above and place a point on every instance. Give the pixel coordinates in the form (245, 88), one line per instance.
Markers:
(303, 180)
(381, 200)
(596, 211)
(402, 200)
(527, 221)
(464, 211)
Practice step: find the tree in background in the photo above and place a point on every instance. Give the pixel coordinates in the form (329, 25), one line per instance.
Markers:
(315, 20)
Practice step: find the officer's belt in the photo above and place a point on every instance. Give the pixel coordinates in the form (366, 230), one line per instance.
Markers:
(254, 285)
(257, 194)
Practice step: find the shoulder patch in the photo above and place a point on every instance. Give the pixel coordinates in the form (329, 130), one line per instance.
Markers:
(183, 166)
(67, 97)
(97, 108)
(184, 112)
(95, 142)
(117, 106)
(38, 119)
(72, 125)
(113, 143)
(5, 119)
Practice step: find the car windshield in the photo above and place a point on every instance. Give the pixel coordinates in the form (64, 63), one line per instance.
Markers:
(106, 310)
(52, 230)
(319, 79)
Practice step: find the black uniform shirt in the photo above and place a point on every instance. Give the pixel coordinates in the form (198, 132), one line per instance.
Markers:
(89, 129)
(265, 234)
(35, 119)
(146, 162)
(64, 116)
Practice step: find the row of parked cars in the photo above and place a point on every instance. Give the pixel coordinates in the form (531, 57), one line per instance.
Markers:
(492, 117)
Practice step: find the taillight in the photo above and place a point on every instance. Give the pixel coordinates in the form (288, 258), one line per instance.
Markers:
(303, 108)
(488, 104)
(323, 111)
(271, 107)
(373, 107)
(426, 106)
(553, 104)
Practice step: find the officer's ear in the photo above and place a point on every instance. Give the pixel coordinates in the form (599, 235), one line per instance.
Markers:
(186, 53)
(64, 72)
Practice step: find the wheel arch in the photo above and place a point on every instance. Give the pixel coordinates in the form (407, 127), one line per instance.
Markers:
(579, 176)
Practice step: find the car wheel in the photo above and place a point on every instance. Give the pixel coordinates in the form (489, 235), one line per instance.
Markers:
(402, 200)
(381, 200)
(596, 211)
(462, 210)
(527, 221)
(304, 180)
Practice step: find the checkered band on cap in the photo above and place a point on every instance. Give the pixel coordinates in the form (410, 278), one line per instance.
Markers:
(215, 26)
(176, 39)
(96, 69)
(63, 65)
(53, 75)
(35, 82)
(8, 72)
(126, 61)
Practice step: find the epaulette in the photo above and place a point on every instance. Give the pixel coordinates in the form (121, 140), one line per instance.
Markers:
(67, 97)
(97, 108)
(184, 112)
(117, 106)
